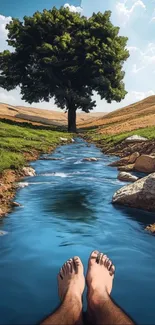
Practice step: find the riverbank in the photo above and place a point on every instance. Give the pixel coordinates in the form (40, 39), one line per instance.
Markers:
(116, 144)
(18, 146)
(136, 150)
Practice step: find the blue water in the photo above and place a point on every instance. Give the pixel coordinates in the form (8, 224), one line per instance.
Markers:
(67, 211)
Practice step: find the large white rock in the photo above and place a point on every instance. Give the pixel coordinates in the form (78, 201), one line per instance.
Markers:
(145, 163)
(135, 138)
(140, 194)
(127, 177)
(28, 171)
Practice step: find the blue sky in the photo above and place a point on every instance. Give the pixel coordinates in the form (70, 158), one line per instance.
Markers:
(136, 19)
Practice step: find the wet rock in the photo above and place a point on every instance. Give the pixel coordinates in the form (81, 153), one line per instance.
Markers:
(140, 194)
(90, 159)
(135, 138)
(16, 204)
(127, 177)
(28, 171)
(133, 157)
(126, 160)
(127, 168)
(3, 233)
(1, 213)
(145, 163)
(151, 228)
(50, 158)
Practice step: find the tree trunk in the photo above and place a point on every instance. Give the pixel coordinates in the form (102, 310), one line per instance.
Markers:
(72, 120)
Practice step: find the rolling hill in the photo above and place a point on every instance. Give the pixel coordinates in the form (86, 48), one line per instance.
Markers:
(136, 116)
(43, 117)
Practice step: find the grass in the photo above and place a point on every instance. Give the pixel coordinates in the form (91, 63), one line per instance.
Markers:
(113, 140)
(16, 140)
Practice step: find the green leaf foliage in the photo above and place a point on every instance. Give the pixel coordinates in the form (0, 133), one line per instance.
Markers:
(61, 54)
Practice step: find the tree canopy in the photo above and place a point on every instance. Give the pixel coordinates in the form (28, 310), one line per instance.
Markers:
(63, 55)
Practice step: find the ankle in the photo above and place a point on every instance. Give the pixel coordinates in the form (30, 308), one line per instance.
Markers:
(96, 299)
(72, 297)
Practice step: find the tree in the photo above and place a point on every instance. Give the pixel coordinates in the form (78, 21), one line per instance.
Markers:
(64, 55)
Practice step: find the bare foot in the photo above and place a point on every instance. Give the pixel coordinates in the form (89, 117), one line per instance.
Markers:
(100, 276)
(71, 279)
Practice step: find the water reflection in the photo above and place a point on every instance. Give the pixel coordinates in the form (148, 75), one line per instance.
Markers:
(72, 204)
(141, 216)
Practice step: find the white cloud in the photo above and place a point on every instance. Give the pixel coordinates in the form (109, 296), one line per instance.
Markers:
(3, 32)
(144, 59)
(125, 12)
(73, 8)
(134, 96)
(5, 97)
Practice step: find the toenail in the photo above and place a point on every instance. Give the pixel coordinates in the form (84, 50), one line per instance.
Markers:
(95, 252)
(98, 258)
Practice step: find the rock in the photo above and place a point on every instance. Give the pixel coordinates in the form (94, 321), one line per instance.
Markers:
(1, 213)
(3, 233)
(145, 163)
(133, 157)
(64, 139)
(90, 159)
(126, 160)
(140, 194)
(135, 138)
(120, 162)
(151, 228)
(16, 204)
(127, 177)
(22, 185)
(28, 171)
(127, 168)
(50, 158)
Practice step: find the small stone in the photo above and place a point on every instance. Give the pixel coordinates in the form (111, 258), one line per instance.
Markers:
(3, 233)
(126, 168)
(127, 177)
(28, 171)
(151, 228)
(90, 159)
(16, 204)
(64, 139)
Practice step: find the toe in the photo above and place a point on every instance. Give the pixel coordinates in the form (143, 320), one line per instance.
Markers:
(104, 259)
(93, 257)
(112, 270)
(109, 264)
(78, 266)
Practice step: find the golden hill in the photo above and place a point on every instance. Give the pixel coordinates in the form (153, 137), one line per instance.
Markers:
(43, 117)
(135, 116)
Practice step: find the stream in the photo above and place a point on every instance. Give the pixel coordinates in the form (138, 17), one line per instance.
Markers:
(66, 211)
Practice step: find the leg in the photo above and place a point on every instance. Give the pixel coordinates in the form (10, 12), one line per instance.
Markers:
(71, 285)
(101, 308)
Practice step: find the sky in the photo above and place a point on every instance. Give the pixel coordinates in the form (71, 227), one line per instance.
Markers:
(136, 19)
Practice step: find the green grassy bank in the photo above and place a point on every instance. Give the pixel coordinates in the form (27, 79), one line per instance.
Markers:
(16, 140)
(112, 140)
